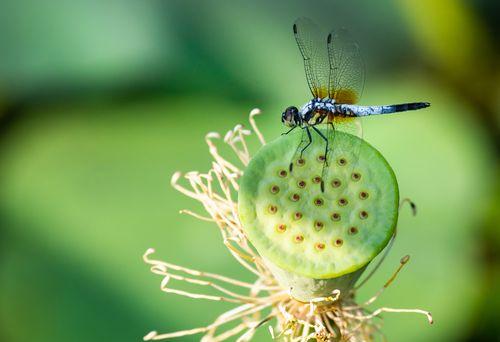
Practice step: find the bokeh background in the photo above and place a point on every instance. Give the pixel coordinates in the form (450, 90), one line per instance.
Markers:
(101, 101)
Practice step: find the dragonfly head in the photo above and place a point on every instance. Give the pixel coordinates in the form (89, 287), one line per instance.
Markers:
(291, 117)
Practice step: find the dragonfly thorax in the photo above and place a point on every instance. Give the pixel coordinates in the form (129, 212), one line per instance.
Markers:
(316, 110)
(312, 113)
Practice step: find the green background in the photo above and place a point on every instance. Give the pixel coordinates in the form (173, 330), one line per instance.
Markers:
(100, 102)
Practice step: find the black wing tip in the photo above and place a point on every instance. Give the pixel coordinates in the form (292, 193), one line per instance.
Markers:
(329, 39)
(294, 28)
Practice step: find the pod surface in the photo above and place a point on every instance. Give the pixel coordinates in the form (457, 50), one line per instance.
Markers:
(314, 233)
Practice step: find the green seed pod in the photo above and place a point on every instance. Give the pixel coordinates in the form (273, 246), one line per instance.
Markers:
(317, 241)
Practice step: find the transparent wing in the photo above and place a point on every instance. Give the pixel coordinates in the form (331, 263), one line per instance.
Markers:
(339, 150)
(351, 125)
(314, 53)
(297, 154)
(347, 69)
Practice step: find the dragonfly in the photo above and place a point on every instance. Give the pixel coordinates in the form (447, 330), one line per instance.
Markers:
(335, 75)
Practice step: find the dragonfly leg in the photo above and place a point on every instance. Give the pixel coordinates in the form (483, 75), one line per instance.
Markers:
(291, 129)
(296, 151)
(325, 162)
(310, 139)
(329, 138)
(326, 141)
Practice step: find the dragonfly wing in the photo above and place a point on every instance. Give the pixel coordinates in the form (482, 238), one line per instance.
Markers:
(296, 155)
(338, 151)
(314, 53)
(351, 125)
(341, 150)
(347, 69)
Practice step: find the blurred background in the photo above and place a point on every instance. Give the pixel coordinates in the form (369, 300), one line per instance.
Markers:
(100, 102)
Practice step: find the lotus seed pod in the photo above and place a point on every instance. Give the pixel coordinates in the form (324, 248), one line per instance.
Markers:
(317, 240)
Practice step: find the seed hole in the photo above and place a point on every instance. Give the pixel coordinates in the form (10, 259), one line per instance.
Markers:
(342, 202)
(353, 230)
(299, 238)
(321, 158)
(316, 179)
(318, 225)
(301, 161)
(273, 209)
(297, 215)
(363, 214)
(342, 161)
(275, 189)
(282, 173)
(281, 228)
(356, 176)
(319, 246)
(318, 201)
(295, 197)
(335, 217)
(363, 195)
(338, 242)
(336, 183)
(301, 184)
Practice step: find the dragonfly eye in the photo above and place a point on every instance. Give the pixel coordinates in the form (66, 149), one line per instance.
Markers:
(290, 116)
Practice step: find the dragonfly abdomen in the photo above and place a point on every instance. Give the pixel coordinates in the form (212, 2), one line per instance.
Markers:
(354, 110)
